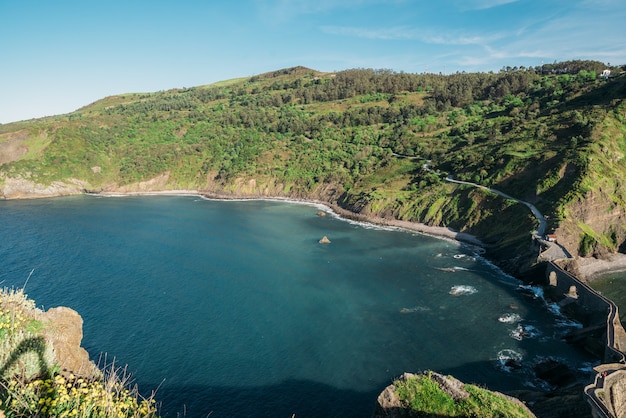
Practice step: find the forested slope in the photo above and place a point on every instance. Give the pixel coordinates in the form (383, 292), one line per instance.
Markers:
(372, 141)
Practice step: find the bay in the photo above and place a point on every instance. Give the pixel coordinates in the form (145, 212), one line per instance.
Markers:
(233, 308)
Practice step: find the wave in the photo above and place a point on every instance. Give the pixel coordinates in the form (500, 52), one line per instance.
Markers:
(510, 318)
(509, 359)
(414, 309)
(459, 290)
(465, 257)
(451, 269)
(561, 319)
(534, 291)
(525, 331)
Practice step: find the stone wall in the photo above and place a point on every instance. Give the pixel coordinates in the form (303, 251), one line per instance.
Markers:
(593, 310)
(607, 394)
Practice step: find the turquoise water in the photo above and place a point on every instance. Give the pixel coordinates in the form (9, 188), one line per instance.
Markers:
(613, 286)
(235, 309)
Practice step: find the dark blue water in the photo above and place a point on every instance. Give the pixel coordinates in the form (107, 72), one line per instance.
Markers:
(235, 309)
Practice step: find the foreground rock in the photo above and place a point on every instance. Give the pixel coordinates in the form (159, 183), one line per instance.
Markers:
(64, 331)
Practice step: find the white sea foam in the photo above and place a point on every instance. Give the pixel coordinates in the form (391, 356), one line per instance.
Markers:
(554, 308)
(525, 331)
(510, 318)
(509, 359)
(414, 309)
(535, 291)
(459, 290)
(464, 257)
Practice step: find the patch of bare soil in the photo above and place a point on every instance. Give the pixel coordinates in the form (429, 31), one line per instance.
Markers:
(12, 146)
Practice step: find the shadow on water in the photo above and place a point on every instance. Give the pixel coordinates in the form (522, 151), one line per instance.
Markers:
(548, 392)
(302, 398)
(286, 399)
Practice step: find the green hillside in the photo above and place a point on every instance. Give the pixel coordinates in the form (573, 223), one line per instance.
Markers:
(372, 141)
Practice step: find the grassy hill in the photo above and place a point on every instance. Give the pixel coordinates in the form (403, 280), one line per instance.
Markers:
(554, 136)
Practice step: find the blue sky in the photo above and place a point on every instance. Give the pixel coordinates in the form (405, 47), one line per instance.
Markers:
(56, 56)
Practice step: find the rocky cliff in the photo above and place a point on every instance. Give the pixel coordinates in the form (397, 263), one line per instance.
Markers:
(64, 331)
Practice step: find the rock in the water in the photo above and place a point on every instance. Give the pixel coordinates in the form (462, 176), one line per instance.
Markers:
(324, 240)
(321, 213)
(554, 372)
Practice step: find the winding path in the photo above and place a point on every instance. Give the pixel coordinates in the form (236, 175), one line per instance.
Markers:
(554, 251)
(543, 224)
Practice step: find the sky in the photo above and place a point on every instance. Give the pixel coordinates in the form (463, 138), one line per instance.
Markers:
(57, 56)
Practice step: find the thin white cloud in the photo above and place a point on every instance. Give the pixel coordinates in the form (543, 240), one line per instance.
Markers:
(396, 33)
(602, 4)
(554, 40)
(450, 38)
(439, 37)
(484, 4)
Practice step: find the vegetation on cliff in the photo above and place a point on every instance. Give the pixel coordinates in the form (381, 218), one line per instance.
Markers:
(33, 382)
(433, 395)
(372, 141)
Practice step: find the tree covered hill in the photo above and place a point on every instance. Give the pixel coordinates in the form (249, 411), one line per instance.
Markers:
(376, 142)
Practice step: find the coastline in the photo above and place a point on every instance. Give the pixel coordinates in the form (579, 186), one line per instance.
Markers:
(436, 231)
(586, 268)
(591, 269)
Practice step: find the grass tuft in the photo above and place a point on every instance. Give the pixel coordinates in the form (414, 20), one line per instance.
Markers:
(422, 395)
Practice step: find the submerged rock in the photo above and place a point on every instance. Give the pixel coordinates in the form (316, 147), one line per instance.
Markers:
(555, 373)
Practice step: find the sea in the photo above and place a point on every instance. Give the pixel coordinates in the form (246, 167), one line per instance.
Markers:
(234, 308)
(613, 286)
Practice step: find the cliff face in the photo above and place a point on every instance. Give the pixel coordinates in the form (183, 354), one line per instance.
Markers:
(593, 219)
(24, 188)
(594, 226)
